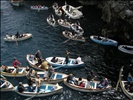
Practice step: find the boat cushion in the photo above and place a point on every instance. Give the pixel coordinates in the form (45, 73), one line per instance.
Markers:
(58, 76)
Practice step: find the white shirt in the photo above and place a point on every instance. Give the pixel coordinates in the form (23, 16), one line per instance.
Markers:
(79, 60)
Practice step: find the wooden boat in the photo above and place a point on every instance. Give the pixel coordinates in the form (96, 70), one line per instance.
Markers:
(72, 36)
(39, 8)
(16, 2)
(44, 90)
(12, 38)
(51, 22)
(21, 72)
(5, 85)
(103, 40)
(58, 12)
(123, 83)
(64, 23)
(72, 12)
(61, 63)
(55, 77)
(30, 59)
(77, 28)
(88, 88)
(126, 49)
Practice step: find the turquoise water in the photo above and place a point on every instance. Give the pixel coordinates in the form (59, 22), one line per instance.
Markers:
(105, 61)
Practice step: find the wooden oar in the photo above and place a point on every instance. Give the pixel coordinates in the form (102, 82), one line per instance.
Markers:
(34, 95)
(16, 43)
(59, 67)
(66, 40)
(119, 78)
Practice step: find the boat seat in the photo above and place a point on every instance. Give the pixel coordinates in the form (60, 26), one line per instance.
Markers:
(93, 85)
(21, 71)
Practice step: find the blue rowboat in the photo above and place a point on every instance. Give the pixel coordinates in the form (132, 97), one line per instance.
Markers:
(60, 63)
(55, 77)
(103, 40)
(126, 49)
(44, 90)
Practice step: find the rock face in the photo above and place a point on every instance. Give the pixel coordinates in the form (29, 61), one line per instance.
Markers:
(119, 18)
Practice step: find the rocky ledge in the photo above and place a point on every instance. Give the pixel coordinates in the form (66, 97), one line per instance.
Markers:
(118, 16)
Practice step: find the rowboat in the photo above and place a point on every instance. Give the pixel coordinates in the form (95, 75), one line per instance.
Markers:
(72, 12)
(31, 61)
(92, 87)
(64, 23)
(55, 77)
(16, 2)
(126, 49)
(77, 28)
(21, 72)
(51, 21)
(61, 63)
(72, 36)
(123, 83)
(39, 8)
(44, 90)
(103, 40)
(12, 38)
(58, 12)
(5, 85)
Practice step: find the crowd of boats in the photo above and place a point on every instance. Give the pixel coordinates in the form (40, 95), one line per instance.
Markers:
(45, 82)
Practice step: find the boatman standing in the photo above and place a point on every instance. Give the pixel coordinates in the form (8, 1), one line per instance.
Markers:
(15, 64)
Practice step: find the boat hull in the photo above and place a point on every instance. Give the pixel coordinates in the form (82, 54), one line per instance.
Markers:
(21, 72)
(103, 41)
(83, 89)
(61, 63)
(14, 39)
(45, 91)
(123, 49)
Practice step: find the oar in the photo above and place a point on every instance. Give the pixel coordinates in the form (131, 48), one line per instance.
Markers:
(34, 95)
(16, 43)
(66, 40)
(59, 67)
(119, 78)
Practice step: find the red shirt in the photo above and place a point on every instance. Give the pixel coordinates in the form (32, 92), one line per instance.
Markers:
(15, 63)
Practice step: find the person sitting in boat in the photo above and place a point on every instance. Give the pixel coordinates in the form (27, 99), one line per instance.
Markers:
(31, 58)
(103, 83)
(17, 35)
(15, 64)
(79, 81)
(21, 88)
(71, 79)
(67, 8)
(40, 60)
(78, 60)
(30, 83)
(44, 65)
(54, 59)
(82, 84)
(7, 35)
